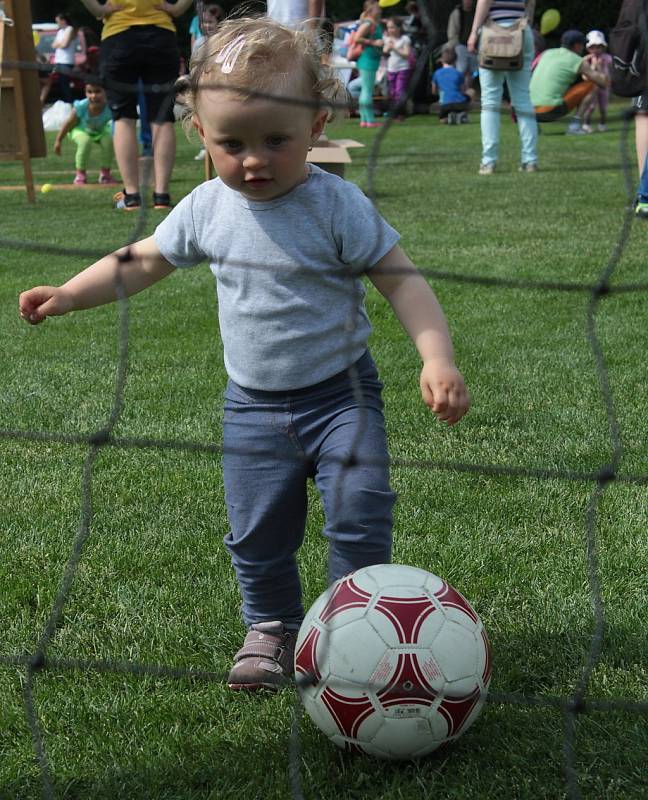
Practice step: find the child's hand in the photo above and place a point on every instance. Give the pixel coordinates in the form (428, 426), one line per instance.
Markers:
(444, 391)
(43, 301)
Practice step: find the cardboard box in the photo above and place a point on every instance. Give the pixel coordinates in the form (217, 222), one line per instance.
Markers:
(332, 154)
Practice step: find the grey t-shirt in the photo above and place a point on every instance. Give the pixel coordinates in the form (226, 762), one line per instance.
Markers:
(288, 275)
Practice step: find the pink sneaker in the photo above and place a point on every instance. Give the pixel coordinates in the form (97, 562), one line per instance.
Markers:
(373, 124)
(106, 177)
(80, 179)
(266, 659)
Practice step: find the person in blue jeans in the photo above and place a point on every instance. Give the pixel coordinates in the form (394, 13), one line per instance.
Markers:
(640, 106)
(288, 244)
(505, 13)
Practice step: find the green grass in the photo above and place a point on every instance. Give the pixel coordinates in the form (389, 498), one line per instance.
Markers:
(154, 585)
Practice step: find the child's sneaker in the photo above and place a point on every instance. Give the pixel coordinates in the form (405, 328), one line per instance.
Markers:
(161, 200)
(486, 169)
(81, 178)
(641, 210)
(463, 118)
(127, 202)
(106, 177)
(586, 128)
(266, 660)
(574, 128)
(602, 128)
(452, 118)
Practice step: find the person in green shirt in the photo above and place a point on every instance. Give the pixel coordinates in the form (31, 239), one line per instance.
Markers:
(369, 34)
(564, 80)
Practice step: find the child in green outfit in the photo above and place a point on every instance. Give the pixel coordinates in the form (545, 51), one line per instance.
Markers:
(90, 122)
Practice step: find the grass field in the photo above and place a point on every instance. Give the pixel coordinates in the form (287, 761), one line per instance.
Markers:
(153, 585)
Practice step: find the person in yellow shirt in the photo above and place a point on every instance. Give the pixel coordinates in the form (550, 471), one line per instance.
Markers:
(138, 42)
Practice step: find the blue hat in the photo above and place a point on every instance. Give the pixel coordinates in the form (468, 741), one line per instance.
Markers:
(570, 38)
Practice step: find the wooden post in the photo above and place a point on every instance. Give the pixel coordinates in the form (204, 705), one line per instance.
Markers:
(21, 123)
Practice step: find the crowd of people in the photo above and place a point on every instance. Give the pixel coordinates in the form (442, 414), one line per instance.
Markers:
(139, 48)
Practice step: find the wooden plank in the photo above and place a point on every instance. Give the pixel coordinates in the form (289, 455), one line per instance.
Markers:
(21, 123)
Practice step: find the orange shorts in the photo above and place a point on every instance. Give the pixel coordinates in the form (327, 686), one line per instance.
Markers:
(571, 99)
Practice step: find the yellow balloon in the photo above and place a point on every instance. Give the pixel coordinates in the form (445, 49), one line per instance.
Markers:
(387, 3)
(36, 36)
(549, 21)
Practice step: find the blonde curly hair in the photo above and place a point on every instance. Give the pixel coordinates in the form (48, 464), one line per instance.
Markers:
(270, 59)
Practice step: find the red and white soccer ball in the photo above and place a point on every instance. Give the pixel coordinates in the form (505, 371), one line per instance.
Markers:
(392, 661)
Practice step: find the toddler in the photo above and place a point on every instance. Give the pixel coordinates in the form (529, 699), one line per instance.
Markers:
(449, 83)
(202, 25)
(90, 122)
(400, 63)
(602, 62)
(288, 245)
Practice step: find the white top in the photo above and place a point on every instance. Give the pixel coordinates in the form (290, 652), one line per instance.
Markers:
(288, 275)
(396, 63)
(65, 55)
(288, 12)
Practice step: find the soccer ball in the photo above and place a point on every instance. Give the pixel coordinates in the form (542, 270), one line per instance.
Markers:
(392, 661)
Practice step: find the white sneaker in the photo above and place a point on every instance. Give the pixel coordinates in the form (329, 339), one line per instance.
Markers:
(486, 169)
(201, 155)
(602, 128)
(587, 128)
(574, 129)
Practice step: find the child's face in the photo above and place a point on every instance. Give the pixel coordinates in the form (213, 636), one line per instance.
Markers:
(95, 94)
(596, 49)
(210, 19)
(258, 146)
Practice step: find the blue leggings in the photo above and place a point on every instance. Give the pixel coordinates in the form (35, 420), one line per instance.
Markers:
(273, 443)
(367, 81)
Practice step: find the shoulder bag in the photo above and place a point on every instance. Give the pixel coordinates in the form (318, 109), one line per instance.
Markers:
(502, 48)
(355, 48)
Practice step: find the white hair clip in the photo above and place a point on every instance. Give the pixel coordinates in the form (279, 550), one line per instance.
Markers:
(228, 55)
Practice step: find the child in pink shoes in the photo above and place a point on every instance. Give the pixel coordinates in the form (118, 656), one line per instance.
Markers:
(90, 122)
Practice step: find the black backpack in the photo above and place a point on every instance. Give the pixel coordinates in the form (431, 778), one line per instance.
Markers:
(628, 49)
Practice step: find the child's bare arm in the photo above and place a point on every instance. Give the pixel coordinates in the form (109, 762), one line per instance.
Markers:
(134, 268)
(416, 306)
(70, 122)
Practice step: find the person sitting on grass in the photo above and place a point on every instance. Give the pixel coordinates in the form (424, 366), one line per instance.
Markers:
(89, 122)
(288, 244)
(563, 81)
(449, 84)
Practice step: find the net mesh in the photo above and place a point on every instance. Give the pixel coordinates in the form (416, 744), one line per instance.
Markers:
(572, 706)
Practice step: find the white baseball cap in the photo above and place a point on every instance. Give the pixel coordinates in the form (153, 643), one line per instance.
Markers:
(594, 38)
